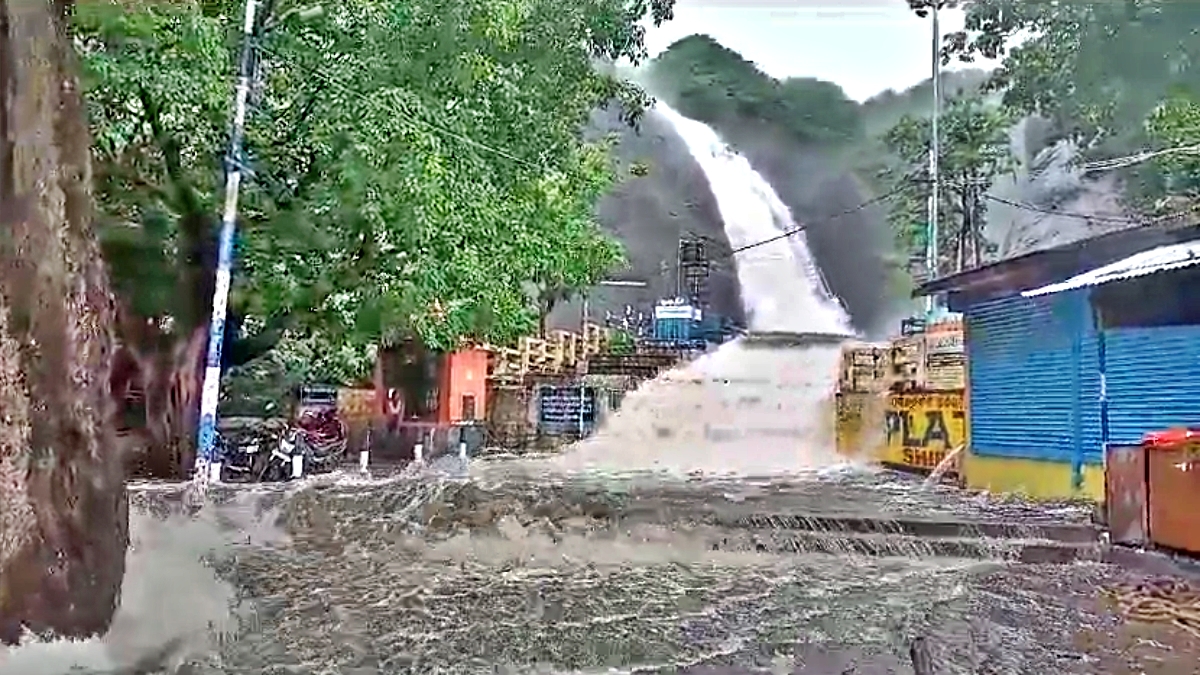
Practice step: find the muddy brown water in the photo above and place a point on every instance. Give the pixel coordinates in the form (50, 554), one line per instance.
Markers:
(749, 552)
(564, 575)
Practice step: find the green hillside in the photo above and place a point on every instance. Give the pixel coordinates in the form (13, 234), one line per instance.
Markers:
(711, 83)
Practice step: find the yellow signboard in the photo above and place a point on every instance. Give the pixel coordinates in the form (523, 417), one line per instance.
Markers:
(921, 428)
(356, 406)
(851, 422)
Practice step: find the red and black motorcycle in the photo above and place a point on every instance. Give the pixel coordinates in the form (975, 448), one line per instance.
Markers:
(314, 443)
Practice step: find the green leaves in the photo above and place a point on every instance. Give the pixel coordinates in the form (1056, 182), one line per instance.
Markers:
(973, 149)
(1175, 127)
(709, 82)
(417, 167)
(1095, 68)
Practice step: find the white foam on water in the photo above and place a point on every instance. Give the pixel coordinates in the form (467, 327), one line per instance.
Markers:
(170, 596)
(782, 287)
(742, 409)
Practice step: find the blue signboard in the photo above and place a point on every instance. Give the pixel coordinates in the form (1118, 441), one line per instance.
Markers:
(559, 412)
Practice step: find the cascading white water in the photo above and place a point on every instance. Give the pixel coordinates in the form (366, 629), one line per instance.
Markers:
(741, 409)
(782, 287)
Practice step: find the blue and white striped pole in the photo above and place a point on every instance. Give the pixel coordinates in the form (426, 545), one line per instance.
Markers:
(208, 464)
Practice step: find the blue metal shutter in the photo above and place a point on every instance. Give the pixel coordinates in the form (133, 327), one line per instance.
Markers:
(1033, 368)
(1091, 410)
(1153, 380)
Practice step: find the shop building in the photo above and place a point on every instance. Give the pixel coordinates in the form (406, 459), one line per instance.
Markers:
(1059, 365)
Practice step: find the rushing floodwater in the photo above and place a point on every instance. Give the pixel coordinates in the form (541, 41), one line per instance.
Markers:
(643, 549)
(739, 410)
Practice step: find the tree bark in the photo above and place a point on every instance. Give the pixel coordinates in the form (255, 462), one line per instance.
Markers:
(63, 509)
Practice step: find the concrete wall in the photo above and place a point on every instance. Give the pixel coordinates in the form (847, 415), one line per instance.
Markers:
(1032, 478)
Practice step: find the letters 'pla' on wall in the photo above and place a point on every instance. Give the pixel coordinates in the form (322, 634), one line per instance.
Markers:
(920, 429)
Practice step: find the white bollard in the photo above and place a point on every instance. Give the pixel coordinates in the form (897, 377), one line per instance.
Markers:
(462, 450)
(214, 472)
(418, 453)
(364, 458)
(297, 466)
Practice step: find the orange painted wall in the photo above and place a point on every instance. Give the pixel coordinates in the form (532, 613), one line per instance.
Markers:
(462, 374)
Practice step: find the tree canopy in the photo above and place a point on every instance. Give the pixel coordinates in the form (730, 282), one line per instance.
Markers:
(1097, 70)
(973, 149)
(709, 82)
(415, 171)
(414, 168)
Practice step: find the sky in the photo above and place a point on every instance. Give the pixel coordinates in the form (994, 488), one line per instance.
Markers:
(866, 46)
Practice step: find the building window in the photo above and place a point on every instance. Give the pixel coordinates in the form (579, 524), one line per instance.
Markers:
(468, 407)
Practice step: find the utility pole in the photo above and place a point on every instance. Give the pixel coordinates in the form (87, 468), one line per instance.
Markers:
(934, 150)
(208, 464)
(694, 269)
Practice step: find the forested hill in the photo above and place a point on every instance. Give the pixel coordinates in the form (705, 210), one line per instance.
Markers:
(711, 83)
(818, 148)
(1084, 129)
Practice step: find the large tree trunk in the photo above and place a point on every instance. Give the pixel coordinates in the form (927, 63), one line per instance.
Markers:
(63, 509)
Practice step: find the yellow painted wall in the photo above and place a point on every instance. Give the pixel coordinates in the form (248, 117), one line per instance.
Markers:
(921, 428)
(913, 430)
(859, 426)
(1032, 478)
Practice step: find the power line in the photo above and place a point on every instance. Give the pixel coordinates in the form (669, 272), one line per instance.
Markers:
(1126, 161)
(835, 216)
(410, 117)
(1118, 220)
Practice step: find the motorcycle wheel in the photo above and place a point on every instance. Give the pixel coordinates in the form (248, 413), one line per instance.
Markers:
(228, 475)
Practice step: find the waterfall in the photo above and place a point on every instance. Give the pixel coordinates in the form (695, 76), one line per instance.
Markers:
(742, 409)
(782, 287)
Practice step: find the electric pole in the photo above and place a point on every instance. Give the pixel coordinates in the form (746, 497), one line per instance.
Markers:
(208, 464)
(934, 150)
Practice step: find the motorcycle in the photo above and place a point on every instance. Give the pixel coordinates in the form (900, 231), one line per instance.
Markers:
(243, 456)
(315, 443)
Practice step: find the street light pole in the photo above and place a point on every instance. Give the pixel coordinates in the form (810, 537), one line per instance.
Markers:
(583, 322)
(208, 464)
(934, 151)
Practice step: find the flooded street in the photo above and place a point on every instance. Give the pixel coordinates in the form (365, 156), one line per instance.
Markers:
(640, 575)
(708, 527)
(704, 554)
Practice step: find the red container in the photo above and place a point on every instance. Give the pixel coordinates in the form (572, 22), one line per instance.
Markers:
(1173, 467)
(1170, 437)
(1125, 487)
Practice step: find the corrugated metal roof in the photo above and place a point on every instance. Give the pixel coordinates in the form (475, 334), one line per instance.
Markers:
(1052, 265)
(1161, 259)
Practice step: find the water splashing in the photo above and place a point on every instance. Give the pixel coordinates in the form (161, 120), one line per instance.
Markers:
(173, 603)
(740, 409)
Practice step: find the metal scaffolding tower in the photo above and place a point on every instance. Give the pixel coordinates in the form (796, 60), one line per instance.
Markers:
(693, 269)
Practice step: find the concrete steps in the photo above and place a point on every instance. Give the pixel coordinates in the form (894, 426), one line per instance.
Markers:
(911, 537)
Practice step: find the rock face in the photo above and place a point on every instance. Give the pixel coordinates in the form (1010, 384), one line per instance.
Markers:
(1067, 204)
(853, 246)
(649, 214)
(63, 509)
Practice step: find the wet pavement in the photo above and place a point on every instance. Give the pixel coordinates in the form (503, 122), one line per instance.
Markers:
(746, 552)
(640, 574)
